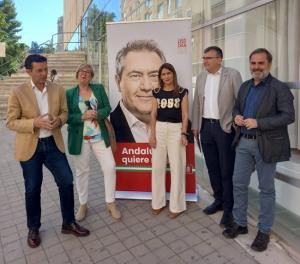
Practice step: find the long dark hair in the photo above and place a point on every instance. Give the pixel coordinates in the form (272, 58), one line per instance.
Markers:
(171, 68)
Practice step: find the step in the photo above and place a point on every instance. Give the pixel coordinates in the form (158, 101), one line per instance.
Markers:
(54, 60)
(66, 63)
(67, 53)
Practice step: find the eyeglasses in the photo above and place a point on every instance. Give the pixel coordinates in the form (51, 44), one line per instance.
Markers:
(209, 58)
(85, 72)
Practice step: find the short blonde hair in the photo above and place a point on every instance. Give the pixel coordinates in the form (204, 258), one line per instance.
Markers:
(85, 66)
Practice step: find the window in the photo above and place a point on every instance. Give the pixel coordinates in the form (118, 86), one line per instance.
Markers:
(148, 16)
(178, 3)
(148, 3)
(169, 6)
(189, 12)
(160, 11)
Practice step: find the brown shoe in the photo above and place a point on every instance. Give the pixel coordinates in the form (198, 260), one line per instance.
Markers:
(81, 213)
(75, 230)
(33, 238)
(174, 215)
(157, 211)
(113, 210)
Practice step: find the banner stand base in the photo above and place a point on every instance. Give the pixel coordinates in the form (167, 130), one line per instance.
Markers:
(190, 197)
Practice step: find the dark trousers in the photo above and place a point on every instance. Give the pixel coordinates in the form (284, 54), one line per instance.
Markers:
(48, 154)
(219, 158)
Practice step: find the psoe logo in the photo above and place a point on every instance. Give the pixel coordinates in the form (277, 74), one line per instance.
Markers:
(181, 43)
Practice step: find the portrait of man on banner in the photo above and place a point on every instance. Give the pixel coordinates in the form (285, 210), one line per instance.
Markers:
(137, 65)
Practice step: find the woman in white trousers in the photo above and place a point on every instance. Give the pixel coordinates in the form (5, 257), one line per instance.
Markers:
(88, 107)
(168, 138)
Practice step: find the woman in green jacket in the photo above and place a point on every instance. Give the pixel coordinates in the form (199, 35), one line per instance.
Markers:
(88, 106)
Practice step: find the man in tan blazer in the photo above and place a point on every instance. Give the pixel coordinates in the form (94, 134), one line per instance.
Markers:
(216, 90)
(36, 111)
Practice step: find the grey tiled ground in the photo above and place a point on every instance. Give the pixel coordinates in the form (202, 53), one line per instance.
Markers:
(139, 237)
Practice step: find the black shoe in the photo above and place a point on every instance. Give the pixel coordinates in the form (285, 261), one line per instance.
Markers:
(235, 230)
(261, 241)
(213, 208)
(33, 238)
(226, 220)
(75, 229)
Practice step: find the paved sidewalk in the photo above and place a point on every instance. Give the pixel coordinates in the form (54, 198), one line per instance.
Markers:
(139, 237)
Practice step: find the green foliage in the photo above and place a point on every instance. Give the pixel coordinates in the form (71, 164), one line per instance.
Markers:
(10, 27)
(48, 48)
(2, 25)
(96, 23)
(43, 48)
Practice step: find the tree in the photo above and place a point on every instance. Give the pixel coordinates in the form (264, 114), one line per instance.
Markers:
(2, 25)
(48, 48)
(96, 23)
(10, 27)
(96, 40)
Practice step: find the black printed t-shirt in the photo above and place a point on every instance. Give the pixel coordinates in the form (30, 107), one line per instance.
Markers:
(169, 105)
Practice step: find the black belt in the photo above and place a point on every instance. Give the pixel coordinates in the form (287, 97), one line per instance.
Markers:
(253, 137)
(46, 139)
(211, 120)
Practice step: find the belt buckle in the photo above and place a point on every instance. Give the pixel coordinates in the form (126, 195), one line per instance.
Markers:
(45, 139)
(252, 137)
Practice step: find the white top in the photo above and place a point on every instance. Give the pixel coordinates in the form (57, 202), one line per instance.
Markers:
(55, 78)
(211, 93)
(140, 130)
(42, 100)
(91, 128)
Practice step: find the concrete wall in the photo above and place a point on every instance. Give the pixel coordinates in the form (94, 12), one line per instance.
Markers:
(73, 13)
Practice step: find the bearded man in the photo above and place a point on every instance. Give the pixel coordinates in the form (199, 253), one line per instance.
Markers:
(263, 110)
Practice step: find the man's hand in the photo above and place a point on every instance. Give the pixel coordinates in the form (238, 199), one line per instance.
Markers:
(250, 123)
(42, 122)
(55, 121)
(239, 120)
(89, 115)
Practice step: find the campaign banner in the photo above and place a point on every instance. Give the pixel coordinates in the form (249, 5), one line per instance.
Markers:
(134, 171)
(136, 50)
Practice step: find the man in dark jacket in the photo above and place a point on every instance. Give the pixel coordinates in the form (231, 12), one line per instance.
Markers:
(262, 112)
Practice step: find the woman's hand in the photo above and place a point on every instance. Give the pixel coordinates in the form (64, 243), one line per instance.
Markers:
(89, 115)
(184, 140)
(152, 141)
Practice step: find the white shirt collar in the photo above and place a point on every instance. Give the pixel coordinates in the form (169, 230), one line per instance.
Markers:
(35, 88)
(219, 72)
(131, 119)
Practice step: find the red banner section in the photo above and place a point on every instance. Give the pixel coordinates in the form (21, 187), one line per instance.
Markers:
(133, 161)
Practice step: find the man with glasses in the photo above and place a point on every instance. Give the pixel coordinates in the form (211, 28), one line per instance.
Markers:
(216, 90)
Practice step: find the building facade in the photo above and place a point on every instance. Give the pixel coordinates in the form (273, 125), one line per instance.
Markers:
(60, 35)
(132, 10)
(238, 27)
(73, 14)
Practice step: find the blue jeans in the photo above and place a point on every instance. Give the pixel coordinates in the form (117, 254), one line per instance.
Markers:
(248, 159)
(219, 158)
(48, 154)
